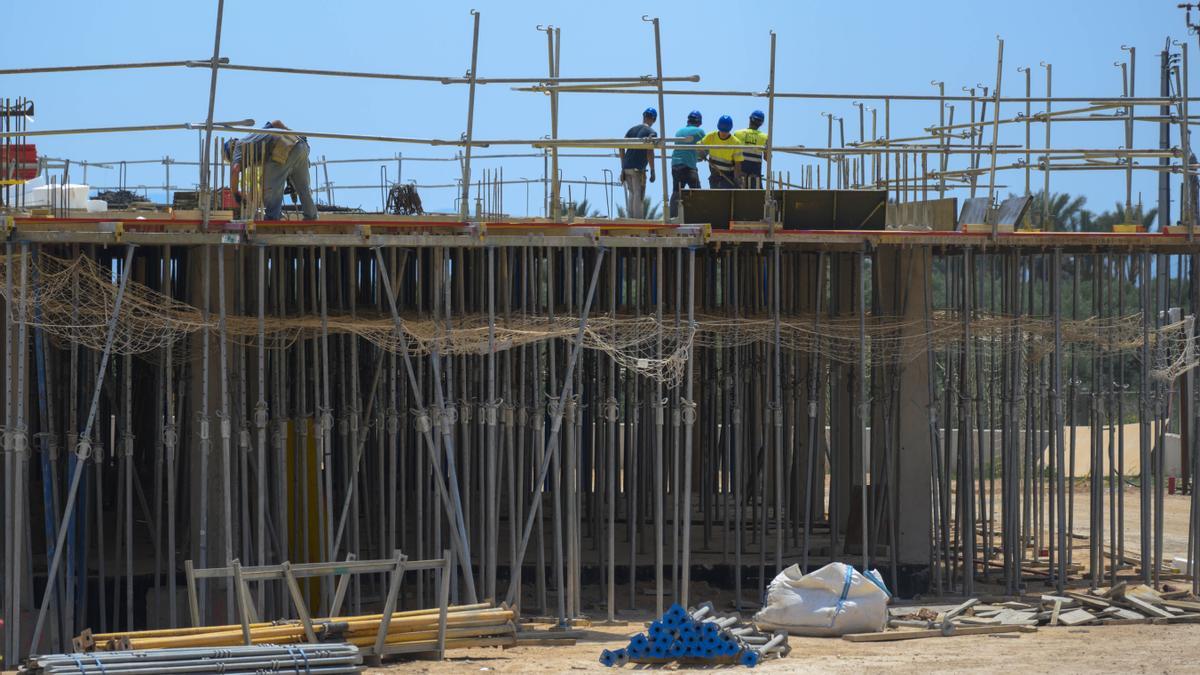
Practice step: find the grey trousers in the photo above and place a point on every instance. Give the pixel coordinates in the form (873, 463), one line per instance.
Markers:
(275, 177)
(635, 193)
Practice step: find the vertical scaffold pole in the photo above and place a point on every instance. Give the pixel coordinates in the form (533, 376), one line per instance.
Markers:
(465, 202)
(82, 450)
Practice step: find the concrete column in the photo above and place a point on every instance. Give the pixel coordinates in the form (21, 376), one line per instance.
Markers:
(843, 423)
(913, 454)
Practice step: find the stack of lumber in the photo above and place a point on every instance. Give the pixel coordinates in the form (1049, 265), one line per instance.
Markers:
(477, 625)
(1118, 605)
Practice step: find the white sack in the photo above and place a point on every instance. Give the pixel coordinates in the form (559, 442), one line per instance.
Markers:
(834, 600)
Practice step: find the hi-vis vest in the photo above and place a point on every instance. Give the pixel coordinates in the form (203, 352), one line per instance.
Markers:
(751, 137)
(722, 159)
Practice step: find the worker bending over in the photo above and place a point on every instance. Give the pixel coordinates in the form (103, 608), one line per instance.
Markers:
(633, 166)
(683, 162)
(285, 161)
(752, 160)
(724, 170)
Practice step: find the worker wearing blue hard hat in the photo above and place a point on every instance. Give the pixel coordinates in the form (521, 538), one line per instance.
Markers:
(724, 164)
(683, 162)
(634, 162)
(752, 160)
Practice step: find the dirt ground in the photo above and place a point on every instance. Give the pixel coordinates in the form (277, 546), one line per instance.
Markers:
(1130, 649)
(1090, 649)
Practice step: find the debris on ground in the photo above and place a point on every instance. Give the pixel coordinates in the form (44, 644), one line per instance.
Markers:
(1121, 604)
(699, 637)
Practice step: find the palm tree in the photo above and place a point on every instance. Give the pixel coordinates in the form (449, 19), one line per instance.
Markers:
(1065, 212)
(651, 210)
(581, 208)
(1136, 215)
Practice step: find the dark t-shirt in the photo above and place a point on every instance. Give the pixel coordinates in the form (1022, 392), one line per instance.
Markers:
(637, 159)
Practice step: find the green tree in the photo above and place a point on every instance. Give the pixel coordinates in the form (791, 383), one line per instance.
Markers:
(1118, 216)
(582, 209)
(1065, 212)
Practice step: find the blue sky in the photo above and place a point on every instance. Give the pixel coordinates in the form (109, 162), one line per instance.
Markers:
(883, 47)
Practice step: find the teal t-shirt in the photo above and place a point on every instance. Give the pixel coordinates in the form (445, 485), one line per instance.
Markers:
(687, 157)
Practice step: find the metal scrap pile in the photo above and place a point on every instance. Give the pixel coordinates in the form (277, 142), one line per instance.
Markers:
(699, 637)
(403, 200)
(120, 198)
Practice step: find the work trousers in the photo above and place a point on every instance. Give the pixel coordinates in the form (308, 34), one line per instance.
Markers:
(275, 178)
(635, 192)
(682, 176)
(720, 180)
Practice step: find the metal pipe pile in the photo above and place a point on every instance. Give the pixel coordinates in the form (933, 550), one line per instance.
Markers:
(241, 660)
(699, 637)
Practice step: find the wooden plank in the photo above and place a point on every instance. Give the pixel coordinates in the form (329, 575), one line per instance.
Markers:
(894, 635)
(1122, 613)
(1182, 604)
(1013, 617)
(1146, 608)
(1011, 604)
(1182, 618)
(1089, 600)
(977, 621)
(961, 608)
(1076, 617)
(1055, 614)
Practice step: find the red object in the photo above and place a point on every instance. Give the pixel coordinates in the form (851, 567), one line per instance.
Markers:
(1171, 485)
(225, 199)
(18, 162)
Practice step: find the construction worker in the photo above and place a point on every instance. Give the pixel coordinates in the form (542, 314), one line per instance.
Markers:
(752, 160)
(683, 162)
(285, 163)
(633, 166)
(724, 165)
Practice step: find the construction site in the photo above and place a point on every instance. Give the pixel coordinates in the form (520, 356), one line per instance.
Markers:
(235, 441)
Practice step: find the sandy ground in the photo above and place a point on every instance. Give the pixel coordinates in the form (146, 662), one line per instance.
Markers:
(1140, 649)
(1136, 649)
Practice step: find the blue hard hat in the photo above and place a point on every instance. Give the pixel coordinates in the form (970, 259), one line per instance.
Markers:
(695, 116)
(758, 115)
(725, 123)
(650, 112)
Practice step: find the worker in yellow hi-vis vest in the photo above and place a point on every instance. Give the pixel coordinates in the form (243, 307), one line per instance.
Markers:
(724, 170)
(752, 160)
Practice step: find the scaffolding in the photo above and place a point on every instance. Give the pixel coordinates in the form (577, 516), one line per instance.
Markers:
(562, 397)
